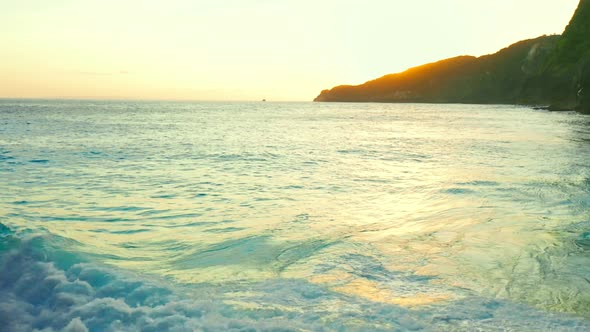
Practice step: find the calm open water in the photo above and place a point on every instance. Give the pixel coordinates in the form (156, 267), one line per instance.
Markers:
(159, 216)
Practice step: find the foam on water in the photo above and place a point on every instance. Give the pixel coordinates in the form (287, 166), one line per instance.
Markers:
(296, 216)
(44, 288)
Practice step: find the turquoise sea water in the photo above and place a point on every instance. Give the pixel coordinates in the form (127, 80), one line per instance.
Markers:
(158, 216)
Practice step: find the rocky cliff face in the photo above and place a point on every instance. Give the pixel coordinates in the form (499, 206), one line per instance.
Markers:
(584, 91)
(572, 59)
(563, 80)
(549, 70)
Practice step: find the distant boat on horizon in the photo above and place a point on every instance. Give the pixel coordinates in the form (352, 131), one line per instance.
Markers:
(263, 99)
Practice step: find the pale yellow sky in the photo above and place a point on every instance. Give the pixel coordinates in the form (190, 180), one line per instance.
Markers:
(245, 49)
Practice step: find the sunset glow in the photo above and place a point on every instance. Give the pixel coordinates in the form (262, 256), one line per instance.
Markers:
(248, 49)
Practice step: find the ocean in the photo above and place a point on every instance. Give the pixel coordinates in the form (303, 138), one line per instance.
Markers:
(210, 216)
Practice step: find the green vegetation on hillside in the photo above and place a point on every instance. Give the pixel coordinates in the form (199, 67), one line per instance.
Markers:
(549, 70)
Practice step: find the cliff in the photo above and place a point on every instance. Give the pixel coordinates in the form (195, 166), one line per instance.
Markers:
(549, 70)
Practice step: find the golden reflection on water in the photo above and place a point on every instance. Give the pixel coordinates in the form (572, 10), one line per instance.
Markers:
(374, 292)
(377, 292)
(437, 194)
(458, 250)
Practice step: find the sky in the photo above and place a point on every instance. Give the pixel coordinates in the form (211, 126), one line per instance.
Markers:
(287, 50)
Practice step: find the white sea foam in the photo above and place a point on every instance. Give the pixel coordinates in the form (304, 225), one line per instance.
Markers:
(38, 296)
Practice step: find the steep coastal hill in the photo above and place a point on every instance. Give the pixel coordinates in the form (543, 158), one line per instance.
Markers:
(549, 70)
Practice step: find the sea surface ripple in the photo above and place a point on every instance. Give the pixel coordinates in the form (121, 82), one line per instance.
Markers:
(154, 216)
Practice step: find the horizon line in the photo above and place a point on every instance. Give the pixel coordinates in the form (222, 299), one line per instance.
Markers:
(157, 99)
